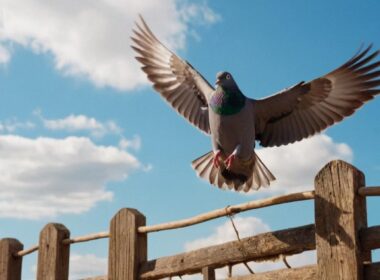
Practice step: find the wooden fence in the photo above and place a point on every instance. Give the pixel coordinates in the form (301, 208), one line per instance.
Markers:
(340, 235)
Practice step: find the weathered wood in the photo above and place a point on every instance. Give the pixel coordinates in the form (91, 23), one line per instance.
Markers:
(339, 215)
(233, 209)
(366, 238)
(370, 238)
(301, 273)
(53, 255)
(372, 271)
(127, 247)
(262, 246)
(10, 265)
(208, 273)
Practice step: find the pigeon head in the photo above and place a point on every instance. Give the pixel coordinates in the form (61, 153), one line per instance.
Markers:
(225, 80)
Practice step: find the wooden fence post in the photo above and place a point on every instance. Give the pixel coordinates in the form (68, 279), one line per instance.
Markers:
(339, 215)
(10, 266)
(127, 247)
(53, 255)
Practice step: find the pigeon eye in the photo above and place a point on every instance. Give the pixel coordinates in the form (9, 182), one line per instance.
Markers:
(228, 76)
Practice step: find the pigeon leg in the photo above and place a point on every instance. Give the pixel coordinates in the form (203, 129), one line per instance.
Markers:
(228, 162)
(216, 160)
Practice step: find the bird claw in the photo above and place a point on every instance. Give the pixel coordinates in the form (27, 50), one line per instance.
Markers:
(216, 160)
(229, 161)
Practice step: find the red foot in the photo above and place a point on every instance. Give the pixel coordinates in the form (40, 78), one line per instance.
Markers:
(216, 160)
(229, 161)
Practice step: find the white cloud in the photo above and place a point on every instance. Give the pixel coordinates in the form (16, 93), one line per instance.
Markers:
(200, 13)
(75, 123)
(247, 226)
(91, 38)
(11, 125)
(88, 265)
(5, 55)
(296, 165)
(84, 266)
(134, 143)
(44, 177)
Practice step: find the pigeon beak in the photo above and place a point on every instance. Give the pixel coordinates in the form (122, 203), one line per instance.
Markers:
(218, 82)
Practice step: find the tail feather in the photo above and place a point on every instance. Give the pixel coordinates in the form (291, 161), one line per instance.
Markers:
(213, 174)
(243, 176)
(219, 180)
(246, 186)
(261, 175)
(256, 176)
(207, 168)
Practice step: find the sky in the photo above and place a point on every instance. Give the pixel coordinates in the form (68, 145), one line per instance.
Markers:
(83, 134)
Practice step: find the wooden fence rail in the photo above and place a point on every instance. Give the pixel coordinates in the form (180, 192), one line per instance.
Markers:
(340, 236)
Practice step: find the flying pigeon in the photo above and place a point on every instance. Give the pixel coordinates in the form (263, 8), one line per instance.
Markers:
(235, 121)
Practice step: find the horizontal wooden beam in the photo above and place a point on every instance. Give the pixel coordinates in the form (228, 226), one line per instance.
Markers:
(301, 273)
(262, 246)
(369, 191)
(371, 272)
(88, 237)
(26, 251)
(370, 238)
(229, 210)
(258, 247)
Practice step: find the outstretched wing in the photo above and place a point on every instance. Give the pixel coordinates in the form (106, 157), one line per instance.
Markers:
(308, 108)
(175, 79)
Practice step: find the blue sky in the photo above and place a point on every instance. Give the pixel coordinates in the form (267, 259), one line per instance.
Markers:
(82, 133)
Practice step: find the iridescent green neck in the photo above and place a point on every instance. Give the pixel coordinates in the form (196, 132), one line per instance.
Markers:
(227, 102)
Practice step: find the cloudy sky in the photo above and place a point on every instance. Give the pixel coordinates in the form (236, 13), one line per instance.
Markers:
(82, 133)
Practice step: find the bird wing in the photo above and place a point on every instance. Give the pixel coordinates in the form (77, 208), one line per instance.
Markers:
(308, 108)
(174, 78)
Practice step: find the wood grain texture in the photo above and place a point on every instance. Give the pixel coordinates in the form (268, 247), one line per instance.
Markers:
(371, 272)
(208, 273)
(127, 247)
(262, 246)
(301, 273)
(53, 255)
(340, 213)
(10, 266)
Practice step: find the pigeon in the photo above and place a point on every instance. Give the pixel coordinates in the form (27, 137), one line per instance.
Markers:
(236, 122)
